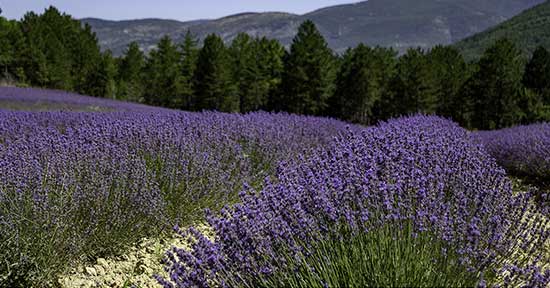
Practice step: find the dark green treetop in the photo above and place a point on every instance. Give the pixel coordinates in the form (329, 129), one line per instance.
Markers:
(163, 72)
(308, 78)
(495, 88)
(214, 88)
(362, 82)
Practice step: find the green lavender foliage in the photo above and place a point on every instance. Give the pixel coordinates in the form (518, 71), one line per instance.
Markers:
(390, 256)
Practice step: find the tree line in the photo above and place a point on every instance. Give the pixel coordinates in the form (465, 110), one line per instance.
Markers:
(363, 85)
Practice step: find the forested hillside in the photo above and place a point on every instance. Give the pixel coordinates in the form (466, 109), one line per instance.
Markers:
(528, 30)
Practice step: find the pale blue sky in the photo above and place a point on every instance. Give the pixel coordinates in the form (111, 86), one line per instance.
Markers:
(168, 9)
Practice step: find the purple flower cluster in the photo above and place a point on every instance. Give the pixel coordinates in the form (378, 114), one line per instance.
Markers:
(524, 150)
(421, 170)
(86, 180)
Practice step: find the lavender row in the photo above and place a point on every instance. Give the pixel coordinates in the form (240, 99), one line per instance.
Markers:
(87, 184)
(524, 149)
(421, 170)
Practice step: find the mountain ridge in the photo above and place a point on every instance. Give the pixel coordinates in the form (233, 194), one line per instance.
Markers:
(392, 23)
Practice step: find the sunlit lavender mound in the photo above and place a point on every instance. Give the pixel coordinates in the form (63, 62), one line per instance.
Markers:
(522, 149)
(413, 202)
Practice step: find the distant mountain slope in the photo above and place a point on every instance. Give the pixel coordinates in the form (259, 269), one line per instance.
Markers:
(116, 35)
(528, 30)
(393, 23)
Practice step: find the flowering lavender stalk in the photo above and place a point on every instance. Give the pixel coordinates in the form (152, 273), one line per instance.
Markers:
(421, 170)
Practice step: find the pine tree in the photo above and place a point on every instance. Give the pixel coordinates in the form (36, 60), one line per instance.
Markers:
(47, 58)
(537, 78)
(256, 66)
(361, 83)
(86, 56)
(130, 78)
(109, 71)
(532, 107)
(269, 58)
(495, 88)
(32, 57)
(308, 79)
(244, 70)
(450, 72)
(189, 54)
(10, 44)
(413, 88)
(213, 79)
(102, 81)
(464, 114)
(163, 75)
(339, 104)
(57, 44)
(58, 52)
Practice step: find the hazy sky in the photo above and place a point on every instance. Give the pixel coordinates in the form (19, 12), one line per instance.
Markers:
(169, 9)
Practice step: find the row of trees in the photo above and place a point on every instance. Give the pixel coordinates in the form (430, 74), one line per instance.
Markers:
(363, 85)
(239, 78)
(501, 89)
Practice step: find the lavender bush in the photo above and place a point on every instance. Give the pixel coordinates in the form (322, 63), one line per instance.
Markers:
(81, 185)
(523, 150)
(411, 181)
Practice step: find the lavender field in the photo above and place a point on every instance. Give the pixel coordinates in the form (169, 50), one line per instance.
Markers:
(293, 201)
